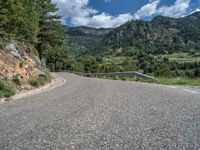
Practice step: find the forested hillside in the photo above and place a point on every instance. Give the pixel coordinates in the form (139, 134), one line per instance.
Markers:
(163, 47)
(31, 36)
(160, 36)
(85, 40)
(36, 24)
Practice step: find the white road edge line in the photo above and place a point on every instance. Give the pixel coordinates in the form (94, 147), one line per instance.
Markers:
(191, 91)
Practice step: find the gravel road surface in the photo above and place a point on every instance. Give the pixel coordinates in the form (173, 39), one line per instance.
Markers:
(95, 114)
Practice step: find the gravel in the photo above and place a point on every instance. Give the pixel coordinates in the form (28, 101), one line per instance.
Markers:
(102, 114)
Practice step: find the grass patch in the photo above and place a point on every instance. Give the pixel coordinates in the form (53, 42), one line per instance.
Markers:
(166, 81)
(179, 81)
(40, 81)
(6, 90)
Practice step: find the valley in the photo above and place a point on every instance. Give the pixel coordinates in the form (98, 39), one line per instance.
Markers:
(164, 47)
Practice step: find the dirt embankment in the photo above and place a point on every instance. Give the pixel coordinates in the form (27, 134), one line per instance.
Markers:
(18, 66)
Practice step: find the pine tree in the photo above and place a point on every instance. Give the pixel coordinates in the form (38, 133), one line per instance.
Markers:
(11, 17)
(19, 20)
(30, 27)
(51, 31)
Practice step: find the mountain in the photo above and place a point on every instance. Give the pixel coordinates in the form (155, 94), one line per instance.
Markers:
(81, 40)
(87, 31)
(162, 34)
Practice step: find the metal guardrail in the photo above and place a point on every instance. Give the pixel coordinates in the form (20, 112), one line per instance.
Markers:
(133, 74)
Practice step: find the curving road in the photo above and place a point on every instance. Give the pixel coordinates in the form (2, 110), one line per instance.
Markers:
(88, 113)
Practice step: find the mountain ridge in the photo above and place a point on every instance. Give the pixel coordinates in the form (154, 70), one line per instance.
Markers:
(160, 35)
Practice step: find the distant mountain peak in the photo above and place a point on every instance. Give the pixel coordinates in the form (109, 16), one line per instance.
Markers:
(196, 14)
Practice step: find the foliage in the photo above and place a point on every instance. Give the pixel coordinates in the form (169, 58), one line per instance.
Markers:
(129, 65)
(51, 33)
(90, 64)
(84, 41)
(106, 68)
(17, 80)
(141, 44)
(19, 20)
(197, 73)
(35, 23)
(179, 81)
(159, 36)
(40, 81)
(5, 89)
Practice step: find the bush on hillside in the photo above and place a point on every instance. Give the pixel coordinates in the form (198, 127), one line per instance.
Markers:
(5, 89)
(37, 82)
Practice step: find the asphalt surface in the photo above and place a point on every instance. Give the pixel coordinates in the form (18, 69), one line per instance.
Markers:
(95, 114)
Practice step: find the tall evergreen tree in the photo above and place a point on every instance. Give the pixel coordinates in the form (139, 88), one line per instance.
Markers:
(11, 17)
(51, 31)
(19, 19)
(30, 26)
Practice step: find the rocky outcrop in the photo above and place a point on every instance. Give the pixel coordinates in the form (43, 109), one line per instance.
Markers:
(14, 62)
(11, 47)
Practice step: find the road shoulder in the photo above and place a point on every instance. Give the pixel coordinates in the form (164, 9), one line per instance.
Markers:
(56, 82)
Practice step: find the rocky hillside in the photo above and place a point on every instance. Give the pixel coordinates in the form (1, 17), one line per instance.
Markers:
(17, 67)
(13, 63)
(160, 35)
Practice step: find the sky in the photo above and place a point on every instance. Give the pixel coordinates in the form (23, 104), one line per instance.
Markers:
(113, 13)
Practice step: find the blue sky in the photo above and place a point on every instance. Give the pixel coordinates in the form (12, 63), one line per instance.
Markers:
(113, 13)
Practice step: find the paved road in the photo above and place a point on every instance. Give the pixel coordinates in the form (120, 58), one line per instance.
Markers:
(101, 114)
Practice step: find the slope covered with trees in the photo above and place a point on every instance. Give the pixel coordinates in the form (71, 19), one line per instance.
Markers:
(159, 36)
(85, 40)
(147, 46)
(36, 24)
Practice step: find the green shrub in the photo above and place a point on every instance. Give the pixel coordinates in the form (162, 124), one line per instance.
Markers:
(124, 78)
(6, 90)
(17, 80)
(34, 82)
(37, 82)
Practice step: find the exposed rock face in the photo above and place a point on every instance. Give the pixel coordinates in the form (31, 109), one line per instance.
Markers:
(11, 47)
(13, 63)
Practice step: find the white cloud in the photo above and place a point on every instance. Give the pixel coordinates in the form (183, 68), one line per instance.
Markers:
(102, 20)
(107, 21)
(147, 10)
(82, 15)
(74, 8)
(178, 9)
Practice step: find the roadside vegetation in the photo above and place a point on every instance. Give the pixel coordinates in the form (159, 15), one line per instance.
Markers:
(179, 81)
(17, 80)
(9, 89)
(40, 81)
(6, 90)
(134, 46)
(165, 81)
(150, 47)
